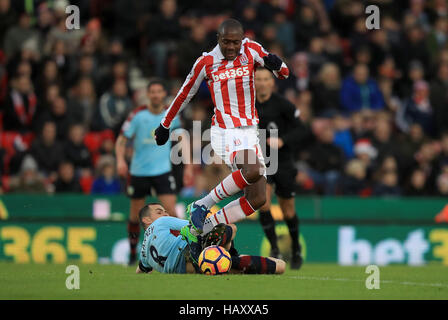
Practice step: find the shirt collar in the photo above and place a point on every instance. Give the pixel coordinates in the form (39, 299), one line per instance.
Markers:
(220, 56)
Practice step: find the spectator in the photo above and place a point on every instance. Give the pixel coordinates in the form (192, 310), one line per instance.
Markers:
(107, 182)
(360, 92)
(29, 179)
(326, 90)
(316, 55)
(67, 181)
(437, 38)
(326, 162)
(354, 182)
(75, 150)
(118, 71)
(113, 108)
(252, 25)
(388, 185)
(413, 48)
(418, 110)
(59, 55)
(342, 136)
(191, 48)
(20, 109)
(417, 185)
(306, 25)
(47, 151)
(285, 32)
(163, 30)
(49, 75)
(415, 73)
(86, 69)
(83, 101)
(382, 138)
(333, 49)
(59, 32)
(59, 114)
(365, 152)
(300, 76)
(426, 159)
(18, 35)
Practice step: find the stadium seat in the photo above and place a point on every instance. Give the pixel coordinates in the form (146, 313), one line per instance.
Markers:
(5, 183)
(86, 183)
(13, 141)
(92, 140)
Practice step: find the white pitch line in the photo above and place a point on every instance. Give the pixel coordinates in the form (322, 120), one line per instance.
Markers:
(405, 283)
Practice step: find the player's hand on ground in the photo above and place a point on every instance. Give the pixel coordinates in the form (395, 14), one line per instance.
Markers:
(272, 62)
(122, 168)
(161, 135)
(275, 143)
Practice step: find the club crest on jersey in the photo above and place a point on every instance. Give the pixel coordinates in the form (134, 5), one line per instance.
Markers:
(237, 142)
(244, 59)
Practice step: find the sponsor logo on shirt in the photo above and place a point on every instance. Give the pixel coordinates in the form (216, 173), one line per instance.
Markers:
(230, 73)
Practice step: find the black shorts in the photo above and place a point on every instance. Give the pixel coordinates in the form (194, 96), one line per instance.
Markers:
(140, 187)
(284, 181)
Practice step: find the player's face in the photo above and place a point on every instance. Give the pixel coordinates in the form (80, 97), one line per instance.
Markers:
(230, 43)
(264, 82)
(157, 211)
(156, 94)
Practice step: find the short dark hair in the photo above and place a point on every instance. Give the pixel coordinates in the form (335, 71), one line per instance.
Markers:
(145, 211)
(157, 81)
(230, 24)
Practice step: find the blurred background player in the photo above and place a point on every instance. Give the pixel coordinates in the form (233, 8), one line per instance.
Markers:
(229, 72)
(150, 165)
(275, 112)
(167, 246)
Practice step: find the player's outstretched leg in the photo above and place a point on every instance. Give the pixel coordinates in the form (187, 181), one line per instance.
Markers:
(257, 265)
(254, 192)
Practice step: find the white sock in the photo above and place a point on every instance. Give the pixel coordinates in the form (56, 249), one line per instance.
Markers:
(231, 184)
(234, 211)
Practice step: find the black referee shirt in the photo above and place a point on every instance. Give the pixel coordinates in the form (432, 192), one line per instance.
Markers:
(279, 113)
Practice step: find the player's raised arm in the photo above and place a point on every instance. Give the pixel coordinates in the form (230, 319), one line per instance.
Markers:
(269, 60)
(188, 90)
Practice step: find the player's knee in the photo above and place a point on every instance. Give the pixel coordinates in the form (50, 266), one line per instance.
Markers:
(252, 172)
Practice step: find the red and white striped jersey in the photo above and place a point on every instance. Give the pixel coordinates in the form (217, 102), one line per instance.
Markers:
(231, 85)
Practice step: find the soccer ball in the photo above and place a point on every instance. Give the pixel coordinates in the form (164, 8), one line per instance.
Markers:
(214, 260)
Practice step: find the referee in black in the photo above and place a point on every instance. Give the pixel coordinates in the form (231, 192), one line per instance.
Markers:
(275, 112)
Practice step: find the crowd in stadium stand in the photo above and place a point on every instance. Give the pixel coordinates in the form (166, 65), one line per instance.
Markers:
(376, 101)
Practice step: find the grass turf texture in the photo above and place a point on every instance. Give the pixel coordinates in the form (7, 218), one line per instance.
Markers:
(313, 281)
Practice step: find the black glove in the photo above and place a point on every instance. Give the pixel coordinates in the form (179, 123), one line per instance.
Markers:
(272, 62)
(161, 135)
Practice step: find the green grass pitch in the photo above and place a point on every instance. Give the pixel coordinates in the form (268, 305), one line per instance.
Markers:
(313, 281)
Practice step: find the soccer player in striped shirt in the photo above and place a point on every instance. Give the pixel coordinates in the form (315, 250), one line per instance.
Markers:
(229, 71)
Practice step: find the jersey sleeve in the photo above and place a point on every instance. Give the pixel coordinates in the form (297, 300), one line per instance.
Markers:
(174, 223)
(129, 127)
(259, 52)
(186, 92)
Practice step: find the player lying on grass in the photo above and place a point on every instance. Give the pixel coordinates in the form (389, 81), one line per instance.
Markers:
(169, 247)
